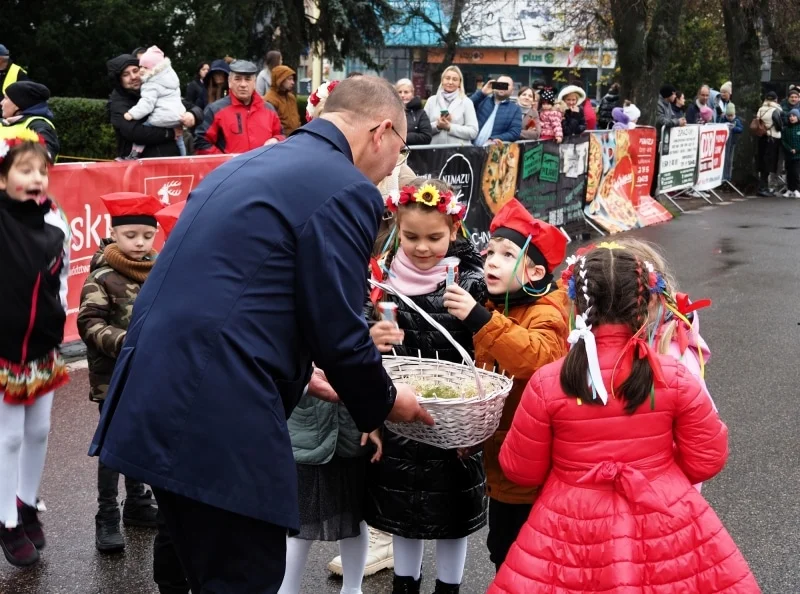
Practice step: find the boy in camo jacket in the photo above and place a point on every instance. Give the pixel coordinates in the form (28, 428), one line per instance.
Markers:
(116, 274)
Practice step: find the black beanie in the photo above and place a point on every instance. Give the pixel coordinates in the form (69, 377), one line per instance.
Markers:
(26, 93)
(667, 90)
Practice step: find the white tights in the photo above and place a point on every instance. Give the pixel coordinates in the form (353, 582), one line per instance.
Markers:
(354, 559)
(23, 448)
(451, 555)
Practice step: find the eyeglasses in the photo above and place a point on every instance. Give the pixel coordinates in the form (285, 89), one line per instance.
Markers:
(404, 152)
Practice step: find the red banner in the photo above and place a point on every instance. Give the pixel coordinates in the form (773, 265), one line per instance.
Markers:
(621, 164)
(77, 188)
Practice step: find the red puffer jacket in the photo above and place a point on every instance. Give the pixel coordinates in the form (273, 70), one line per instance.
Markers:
(618, 512)
(230, 126)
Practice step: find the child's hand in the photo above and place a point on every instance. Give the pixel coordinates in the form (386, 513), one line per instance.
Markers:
(458, 302)
(375, 438)
(128, 116)
(386, 335)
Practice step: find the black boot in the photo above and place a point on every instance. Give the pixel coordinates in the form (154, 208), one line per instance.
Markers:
(442, 588)
(403, 584)
(140, 507)
(107, 536)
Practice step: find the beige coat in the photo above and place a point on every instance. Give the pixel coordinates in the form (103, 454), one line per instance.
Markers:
(765, 113)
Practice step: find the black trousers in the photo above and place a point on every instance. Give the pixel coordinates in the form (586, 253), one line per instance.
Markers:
(792, 173)
(505, 522)
(223, 552)
(167, 569)
(767, 159)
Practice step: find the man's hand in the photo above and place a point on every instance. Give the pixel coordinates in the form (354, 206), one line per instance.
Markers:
(127, 116)
(406, 408)
(271, 141)
(487, 88)
(187, 119)
(458, 302)
(318, 387)
(385, 335)
(375, 438)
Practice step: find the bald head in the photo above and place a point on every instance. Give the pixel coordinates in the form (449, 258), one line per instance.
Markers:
(368, 111)
(368, 99)
(703, 94)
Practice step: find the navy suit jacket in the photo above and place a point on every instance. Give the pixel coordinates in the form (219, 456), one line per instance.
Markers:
(265, 272)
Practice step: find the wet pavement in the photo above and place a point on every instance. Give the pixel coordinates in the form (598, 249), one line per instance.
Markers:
(743, 255)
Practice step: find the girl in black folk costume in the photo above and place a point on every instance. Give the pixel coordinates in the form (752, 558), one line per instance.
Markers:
(419, 492)
(33, 294)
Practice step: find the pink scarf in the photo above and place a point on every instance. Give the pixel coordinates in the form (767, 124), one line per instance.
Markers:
(410, 280)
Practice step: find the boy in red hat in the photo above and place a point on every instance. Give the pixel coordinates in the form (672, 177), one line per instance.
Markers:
(116, 275)
(523, 327)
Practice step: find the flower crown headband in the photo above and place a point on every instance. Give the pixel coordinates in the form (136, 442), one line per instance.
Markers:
(10, 137)
(445, 202)
(316, 100)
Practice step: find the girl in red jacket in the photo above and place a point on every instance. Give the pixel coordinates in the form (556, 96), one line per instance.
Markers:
(617, 512)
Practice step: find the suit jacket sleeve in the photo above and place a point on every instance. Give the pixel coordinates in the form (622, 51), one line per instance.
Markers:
(137, 132)
(332, 256)
(526, 452)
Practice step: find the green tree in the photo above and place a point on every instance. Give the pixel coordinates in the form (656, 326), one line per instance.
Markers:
(700, 52)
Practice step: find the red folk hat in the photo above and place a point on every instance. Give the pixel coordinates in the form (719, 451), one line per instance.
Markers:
(132, 208)
(516, 224)
(167, 217)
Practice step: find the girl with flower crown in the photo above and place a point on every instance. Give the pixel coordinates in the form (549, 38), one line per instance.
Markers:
(617, 433)
(418, 492)
(33, 295)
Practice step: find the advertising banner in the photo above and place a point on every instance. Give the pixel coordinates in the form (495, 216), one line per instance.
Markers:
(461, 167)
(620, 173)
(552, 179)
(77, 188)
(678, 163)
(711, 156)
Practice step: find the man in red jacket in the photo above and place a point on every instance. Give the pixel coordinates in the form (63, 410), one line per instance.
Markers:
(241, 121)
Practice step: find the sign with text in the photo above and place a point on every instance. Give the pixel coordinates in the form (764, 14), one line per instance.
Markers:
(462, 168)
(711, 156)
(620, 173)
(678, 162)
(77, 188)
(559, 58)
(552, 182)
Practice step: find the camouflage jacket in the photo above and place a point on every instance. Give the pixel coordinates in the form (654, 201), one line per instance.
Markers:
(106, 308)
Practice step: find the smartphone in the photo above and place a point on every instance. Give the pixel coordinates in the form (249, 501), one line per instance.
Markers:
(500, 86)
(444, 113)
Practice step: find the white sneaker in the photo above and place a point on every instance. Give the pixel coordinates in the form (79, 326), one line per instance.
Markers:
(379, 556)
(788, 194)
(796, 194)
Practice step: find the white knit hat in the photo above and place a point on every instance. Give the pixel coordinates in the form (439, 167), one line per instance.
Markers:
(726, 88)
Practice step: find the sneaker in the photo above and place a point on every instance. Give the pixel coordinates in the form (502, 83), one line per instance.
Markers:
(107, 537)
(17, 547)
(29, 518)
(379, 556)
(788, 194)
(766, 193)
(796, 194)
(140, 511)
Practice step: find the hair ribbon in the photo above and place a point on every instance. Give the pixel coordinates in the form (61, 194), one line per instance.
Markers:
(584, 333)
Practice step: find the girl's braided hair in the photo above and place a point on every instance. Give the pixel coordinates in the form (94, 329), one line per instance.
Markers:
(611, 287)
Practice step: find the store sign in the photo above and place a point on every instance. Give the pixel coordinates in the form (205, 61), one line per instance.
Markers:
(550, 58)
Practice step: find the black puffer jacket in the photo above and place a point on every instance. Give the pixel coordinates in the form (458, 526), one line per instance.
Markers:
(605, 117)
(574, 122)
(419, 125)
(158, 142)
(416, 490)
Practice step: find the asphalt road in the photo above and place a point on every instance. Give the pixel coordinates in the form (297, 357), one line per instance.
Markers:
(743, 255)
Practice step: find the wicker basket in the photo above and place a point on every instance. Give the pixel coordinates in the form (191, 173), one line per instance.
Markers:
(459, 422)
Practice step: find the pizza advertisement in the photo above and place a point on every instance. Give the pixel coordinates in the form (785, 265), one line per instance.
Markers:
(620, 174)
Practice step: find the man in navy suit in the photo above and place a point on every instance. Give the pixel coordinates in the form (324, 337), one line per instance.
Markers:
(264, 272)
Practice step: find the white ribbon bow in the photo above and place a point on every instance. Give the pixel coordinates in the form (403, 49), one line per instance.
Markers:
(584, 332)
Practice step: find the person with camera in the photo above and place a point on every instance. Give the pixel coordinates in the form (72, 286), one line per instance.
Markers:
(499, 119)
